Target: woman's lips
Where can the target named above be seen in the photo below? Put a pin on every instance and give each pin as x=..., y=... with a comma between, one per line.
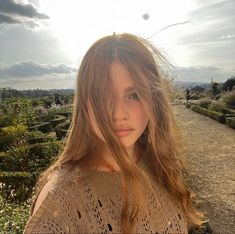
x=122, y=133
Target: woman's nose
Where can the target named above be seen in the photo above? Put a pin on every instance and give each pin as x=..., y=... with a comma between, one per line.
x=120, y=112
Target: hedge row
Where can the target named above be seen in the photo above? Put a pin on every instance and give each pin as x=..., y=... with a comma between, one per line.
x=228, y=119
x=21, y=166
x=212, y=114
x=16, y=185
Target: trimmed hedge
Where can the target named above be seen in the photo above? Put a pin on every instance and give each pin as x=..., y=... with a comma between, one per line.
x=3, y=154
x=61, y=129
x=31, y=158
x=212, y=114
x=66, y=114
x=22, y=166
x=59, y=119
x=12, y=135
x=187, y=105
x=205, y=103
x=13, y=216
x=16, y=185
x=33, y=137
x=43, y=127
x=230, y=121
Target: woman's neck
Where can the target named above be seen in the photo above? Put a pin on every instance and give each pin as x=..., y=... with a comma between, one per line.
x=107, y=163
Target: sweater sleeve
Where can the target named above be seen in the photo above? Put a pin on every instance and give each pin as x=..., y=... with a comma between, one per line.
x=50, y=217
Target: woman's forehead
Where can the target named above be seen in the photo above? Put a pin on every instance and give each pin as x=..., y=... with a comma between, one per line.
x=120, y=77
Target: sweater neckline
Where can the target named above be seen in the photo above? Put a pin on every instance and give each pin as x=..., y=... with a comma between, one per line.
x=107, y=175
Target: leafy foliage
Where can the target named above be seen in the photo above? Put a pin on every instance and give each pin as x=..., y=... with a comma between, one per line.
x=12, y=136
x=229, y=84
x=16, y=111
x=13, y=216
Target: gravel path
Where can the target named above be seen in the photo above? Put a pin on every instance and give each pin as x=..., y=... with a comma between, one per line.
x=210, y=165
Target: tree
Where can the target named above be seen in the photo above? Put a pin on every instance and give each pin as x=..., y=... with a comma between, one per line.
x=198, y=89
x=229, y=84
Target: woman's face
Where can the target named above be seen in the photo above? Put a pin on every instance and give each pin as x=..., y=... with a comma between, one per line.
x=129, y=118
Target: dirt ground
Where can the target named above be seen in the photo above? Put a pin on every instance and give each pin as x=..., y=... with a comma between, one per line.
x=210, y=160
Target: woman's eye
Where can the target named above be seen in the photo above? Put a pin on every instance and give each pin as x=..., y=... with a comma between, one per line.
x=133, y=96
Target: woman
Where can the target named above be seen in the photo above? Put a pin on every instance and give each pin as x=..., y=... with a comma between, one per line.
x=120, y=169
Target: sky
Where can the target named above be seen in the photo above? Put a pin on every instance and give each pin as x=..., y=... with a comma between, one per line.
x=42, y=42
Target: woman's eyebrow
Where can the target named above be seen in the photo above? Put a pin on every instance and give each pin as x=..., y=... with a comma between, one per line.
x=129, y=89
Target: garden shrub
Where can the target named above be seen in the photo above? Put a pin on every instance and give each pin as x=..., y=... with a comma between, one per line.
x=59, y=119
x=204, y=103
x=42, y=155
x=217, y=116
x=3, y=154
x=229, y=111
x=31, y=158
x=16, y=160
x=187, y=105
x=230, y=121
x=12, y=135
x=66, y=114
x=229, y=99
x=4, y=121
x=33, y=137
x=43, y=127
x=212, y=114
x=13, y=216
x=218, y=107
x=197, y=108
x=61, y=129
x=17, y=110
x=195, y=96
x=16, y=186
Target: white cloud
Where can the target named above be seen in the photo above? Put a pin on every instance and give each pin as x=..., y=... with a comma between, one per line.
x=32, y=69
x=20, y=13
x=227, y=37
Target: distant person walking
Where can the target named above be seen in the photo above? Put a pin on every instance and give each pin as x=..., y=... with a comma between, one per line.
x=187, y=95
x=58, y=100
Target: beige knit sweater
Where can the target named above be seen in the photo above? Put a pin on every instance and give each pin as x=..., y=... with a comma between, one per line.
x=81, y=204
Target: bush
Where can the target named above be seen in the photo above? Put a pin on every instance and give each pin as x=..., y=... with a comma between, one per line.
x=212, y=114
x=59, y=119
x=31, y=158
x=195, y=96
x=61, y=129
x=17, y=110
x=204, y=103
x=217, y=116
x=229, y=99
x=16, y=186
x=230, y=121
x=36, y=136
x=16, y=159
x=187, y=105
x=12, y=136
x=218, y=107
x=206, y=228
x=43, y=127
x=13, y=216
x=5, y=121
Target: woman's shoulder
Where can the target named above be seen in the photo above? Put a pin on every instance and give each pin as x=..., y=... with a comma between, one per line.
x=51, y=202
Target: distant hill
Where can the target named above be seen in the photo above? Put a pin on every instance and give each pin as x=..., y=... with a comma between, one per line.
x=190, y=84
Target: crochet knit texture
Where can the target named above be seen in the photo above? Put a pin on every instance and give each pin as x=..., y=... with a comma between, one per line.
x=79, y=203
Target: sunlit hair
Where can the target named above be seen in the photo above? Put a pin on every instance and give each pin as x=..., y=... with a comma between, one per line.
x=161, y=141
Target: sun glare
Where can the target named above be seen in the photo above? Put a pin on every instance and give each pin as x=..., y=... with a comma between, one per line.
x=77, y=24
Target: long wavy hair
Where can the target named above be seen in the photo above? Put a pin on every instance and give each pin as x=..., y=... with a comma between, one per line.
x=160, y=143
